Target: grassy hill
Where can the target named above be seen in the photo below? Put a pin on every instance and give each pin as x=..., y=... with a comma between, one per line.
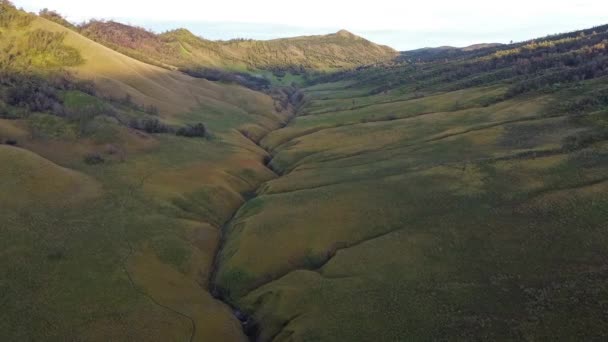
x=110, y=212
x=182, y=49
x=116, y=75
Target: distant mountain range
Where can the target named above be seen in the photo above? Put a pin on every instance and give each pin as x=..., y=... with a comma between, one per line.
x=429, y=53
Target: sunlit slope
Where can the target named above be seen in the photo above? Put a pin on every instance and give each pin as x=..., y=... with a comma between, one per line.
x=26, y=181
x=120, y=248
x=182, y=49
x=117, y=75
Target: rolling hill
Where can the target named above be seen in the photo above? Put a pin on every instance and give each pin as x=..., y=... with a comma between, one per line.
x=456, y=195
x=116, y=75
x=110, y=217
x=182, y=49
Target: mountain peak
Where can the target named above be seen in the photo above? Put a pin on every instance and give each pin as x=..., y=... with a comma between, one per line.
x=346, y=34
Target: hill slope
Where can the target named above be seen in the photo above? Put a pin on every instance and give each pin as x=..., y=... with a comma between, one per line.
x=117, y=75
x=182, y=49
x=463, y=198
x=110, y=212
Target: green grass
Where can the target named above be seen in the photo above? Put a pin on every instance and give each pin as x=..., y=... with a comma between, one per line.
x=453, y=219
x=72, y=254
x=279, y=59
x=103, y=252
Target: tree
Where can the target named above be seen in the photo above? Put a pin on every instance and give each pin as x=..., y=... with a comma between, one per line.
x=149, y=126
x=191, y=131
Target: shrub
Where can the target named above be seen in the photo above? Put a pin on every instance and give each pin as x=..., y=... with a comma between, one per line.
x=9, y=15
x=151, y=109
x=216, y=75
x=584, y=139
x=126, y=100
x=192, y=131
x=392, y=117
x=3, y=110
x=56, y=17
x=152, y=126
x=34, y=94
x=37, y=97
x=46, y=49
x=93, y=159
x=56, y=254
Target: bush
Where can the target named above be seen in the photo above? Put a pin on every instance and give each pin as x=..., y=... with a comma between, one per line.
x=392, y=117
x=153, y=126
x=584, y=139
x=39, y=49
x=56, y=17
x=151, y=109
x=192, y=131
x=56, y=254
x=3, y=110
x=216, y=75
x=9, y=15
x=35, y=96
x=93, y=159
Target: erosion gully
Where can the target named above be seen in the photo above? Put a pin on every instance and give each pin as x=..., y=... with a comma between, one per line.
x=250, y=328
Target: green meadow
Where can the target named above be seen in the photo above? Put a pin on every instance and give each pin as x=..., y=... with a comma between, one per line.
x=439, y=224
x=464, y=214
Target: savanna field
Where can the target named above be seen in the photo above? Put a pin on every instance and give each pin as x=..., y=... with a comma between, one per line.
x=164, y=187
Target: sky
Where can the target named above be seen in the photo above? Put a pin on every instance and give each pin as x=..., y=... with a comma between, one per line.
x=403, y=25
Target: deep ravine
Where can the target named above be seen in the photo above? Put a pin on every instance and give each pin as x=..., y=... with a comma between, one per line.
x=250, y=327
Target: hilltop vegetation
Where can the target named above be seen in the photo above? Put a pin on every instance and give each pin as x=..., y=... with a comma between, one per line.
x=254, y=64
x=182, y=49
x=442, y=52
x=533, y=65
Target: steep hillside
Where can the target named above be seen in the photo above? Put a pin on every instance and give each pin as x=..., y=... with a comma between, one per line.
x=116, y=75
x=181, y=49
x=116, y=177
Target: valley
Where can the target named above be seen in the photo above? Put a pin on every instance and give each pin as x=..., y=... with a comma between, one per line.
x=320, y=188
x=363, y=202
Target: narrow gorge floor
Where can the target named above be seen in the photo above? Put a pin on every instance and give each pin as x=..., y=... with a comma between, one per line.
x=248, y=324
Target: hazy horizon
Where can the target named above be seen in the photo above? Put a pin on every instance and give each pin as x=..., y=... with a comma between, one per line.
x=466, y=23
